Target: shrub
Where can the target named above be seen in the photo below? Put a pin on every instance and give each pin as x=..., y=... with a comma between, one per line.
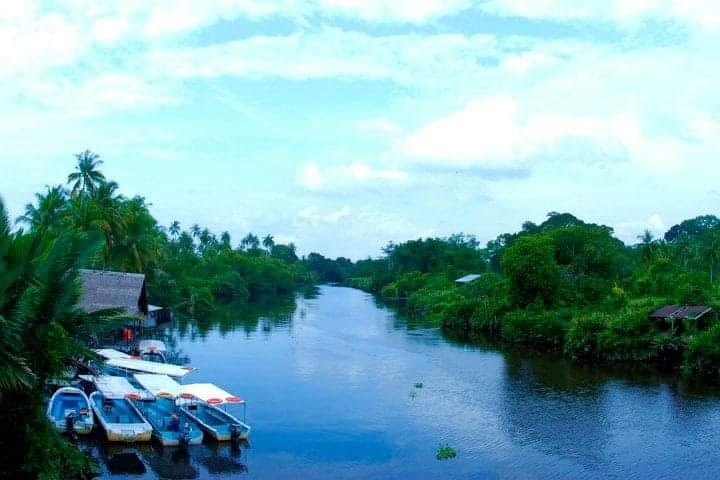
x=703, y=352
x=581, y=340
x=543, y=329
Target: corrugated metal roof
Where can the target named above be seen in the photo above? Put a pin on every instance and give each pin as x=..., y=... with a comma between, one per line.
x=468, y=278
x=102, y=290
x=690, y=312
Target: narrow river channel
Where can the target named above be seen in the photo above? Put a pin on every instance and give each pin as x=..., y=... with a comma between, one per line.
x=331, y=388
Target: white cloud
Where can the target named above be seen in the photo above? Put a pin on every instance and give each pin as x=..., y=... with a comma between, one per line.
x=629, y=231
x=313, y=217
x=497, y=134
x=704, y=13
x=347, y=177
x=331, y=53
x=382, y=125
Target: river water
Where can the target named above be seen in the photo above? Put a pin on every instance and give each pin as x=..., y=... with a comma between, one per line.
x=331, y=379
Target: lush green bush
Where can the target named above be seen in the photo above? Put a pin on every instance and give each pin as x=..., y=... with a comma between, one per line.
x=582, y=338
x=536, y=327
x=703, y=352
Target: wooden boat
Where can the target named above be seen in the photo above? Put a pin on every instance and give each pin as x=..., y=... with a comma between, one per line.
x=115, y=411
x=200, y=402
x=171, y=426
x=69, y=411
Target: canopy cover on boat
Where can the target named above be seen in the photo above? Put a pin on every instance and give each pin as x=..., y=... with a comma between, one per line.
x=152, y=346
x=159, y=385
x=115, y=387
x=210, y=393
x=138, y=365
x=110, y=353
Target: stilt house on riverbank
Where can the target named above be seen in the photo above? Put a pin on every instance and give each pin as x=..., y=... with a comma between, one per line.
x=685, y=316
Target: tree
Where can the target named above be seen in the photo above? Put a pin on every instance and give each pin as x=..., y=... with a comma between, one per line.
x=174, y=229
x=49, y=210
x=86, y=176
x=529, y=263
x=268, y=242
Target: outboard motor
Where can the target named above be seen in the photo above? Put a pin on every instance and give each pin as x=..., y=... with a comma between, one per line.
x=235, y=431
x=70, y=424
x=185, y=437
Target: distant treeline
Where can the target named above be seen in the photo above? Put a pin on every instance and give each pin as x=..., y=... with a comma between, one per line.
x=564, y=284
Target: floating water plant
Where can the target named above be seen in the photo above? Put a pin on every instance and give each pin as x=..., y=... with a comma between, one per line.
x=445, y=452
x=419, y=385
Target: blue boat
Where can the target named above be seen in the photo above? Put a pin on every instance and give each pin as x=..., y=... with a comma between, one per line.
x=199, y=402
x=171, y=427
x=115, y=411
x=69, y=411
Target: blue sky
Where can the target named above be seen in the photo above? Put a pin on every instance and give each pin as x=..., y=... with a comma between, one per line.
x=343, y=124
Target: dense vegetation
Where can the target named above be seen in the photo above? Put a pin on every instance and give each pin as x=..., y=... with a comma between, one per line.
x=88, y=224
x=565, y=284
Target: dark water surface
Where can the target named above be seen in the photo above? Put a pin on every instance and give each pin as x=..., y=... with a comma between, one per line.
x=330, y=383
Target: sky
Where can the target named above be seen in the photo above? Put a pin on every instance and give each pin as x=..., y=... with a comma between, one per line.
x=341, y=125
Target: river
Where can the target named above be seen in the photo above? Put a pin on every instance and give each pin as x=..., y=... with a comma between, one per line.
x=331, y=379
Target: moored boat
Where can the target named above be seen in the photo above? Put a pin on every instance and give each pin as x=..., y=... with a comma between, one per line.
x=115, y=411
x=171, y=426
x=69, y=411
x=200, y=402
x=121, y=362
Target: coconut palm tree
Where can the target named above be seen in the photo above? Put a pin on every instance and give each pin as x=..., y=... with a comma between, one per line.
x=268, y=242
x=86, y=176
x=174, y=229
x=49, y=210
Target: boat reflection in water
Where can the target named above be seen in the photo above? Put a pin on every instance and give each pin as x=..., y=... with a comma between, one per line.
x=152, y=460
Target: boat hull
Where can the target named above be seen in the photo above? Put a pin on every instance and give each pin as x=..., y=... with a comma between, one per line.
x=158, y=412
x=121, y=428
x=217, y=423
x=67, y=400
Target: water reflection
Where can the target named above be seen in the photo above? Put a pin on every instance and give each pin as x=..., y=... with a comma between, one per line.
x=330, y=374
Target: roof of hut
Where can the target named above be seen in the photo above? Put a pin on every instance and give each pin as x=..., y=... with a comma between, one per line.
x=690, y=312
x=103, y=290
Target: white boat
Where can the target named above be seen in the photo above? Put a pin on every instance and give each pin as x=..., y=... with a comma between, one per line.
x=171, y=426
x=200, y=402
x=136, y=365
x=69, y=411
x=115, y=411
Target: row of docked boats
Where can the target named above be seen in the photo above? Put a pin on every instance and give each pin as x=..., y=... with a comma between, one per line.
x=146, y=403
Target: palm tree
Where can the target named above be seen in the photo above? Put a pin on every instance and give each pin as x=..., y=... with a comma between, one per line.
x=86, y=176
x=225, y=240
x=268, y=242
x=195, y=230
x=711, y=252
x=49, y=209
x=110, y=219
x=174, y=229
x=647, y=246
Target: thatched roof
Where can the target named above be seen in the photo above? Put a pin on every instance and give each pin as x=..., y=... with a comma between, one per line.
x=103, y=290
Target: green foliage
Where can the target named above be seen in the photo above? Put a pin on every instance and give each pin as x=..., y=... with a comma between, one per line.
x=445, y=452
x=582, y=338
x=539, y=328
x=532, y=271
x=703, y=352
